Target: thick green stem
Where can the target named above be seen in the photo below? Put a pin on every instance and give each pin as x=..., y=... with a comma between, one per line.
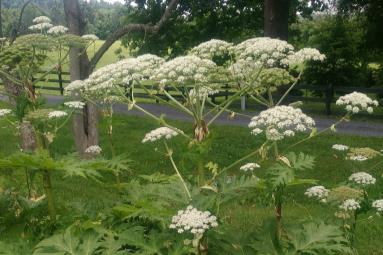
x=47, y=183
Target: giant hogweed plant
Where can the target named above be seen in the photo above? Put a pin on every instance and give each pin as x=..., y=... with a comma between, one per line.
x=257, y=68
x=20, y=62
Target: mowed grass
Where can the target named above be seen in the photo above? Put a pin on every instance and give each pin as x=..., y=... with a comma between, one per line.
x=76, y=196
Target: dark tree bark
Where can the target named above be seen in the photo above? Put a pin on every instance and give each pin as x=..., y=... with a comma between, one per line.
x=276, y=18
x=85, y=124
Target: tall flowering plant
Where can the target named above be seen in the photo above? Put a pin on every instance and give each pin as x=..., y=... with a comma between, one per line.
x=257, y=68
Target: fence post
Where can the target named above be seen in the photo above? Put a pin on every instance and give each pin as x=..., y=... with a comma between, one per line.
x=243, y=103
x=329, y=98
x=59, y=74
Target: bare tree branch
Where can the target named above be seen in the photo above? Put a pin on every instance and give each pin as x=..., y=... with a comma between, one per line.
x=148, y=28
x=15, y=30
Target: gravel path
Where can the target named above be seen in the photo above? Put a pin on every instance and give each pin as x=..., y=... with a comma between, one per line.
x=362, y=128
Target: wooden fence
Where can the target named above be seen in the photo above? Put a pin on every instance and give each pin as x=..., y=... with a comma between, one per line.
x=327, y=94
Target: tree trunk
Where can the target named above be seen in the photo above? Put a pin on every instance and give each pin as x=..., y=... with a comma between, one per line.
x=1, y=20
x=85, y=124
x=276, y=18
x=28, y=137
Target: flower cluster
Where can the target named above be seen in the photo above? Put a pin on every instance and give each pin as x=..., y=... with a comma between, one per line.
x=57, y=30
x=280, y=122
x=41, y=19
x=75, y=104
x=265, y=51
x=159, y=133
x=318, y=192
x=378, y=205
x=105, y=79
x=340, y=147
x=249, y=167
x=304, y=55
x=90, y=37
x=193, y=221
x=350, y=205
x=356, y=102
x=40, y=26
x=362, y=178
x=93, y=149
x=212, y=48
x=74, y=87
x=358, y=158
x=185, y=69
x=4, y=112
x=56, y=114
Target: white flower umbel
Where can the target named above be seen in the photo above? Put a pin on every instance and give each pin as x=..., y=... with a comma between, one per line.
x=280, y=122
x=266, y=51
x=57, y=114
x=212, y=48
x=356, y=102
x=57, y=30
x=193, y=221
x=74, y=87
x=40, y=26
x=4, y=112
x=75, y=104
x=304, y=55
x=358, y=158
x=378, y=205
x=318, y=192
x=108, y=78
x=186, y=69
x=340, y=147
x=41, y=19
x=159, y=133
x=362, y=178
x=93, y=149
x=249, y=167
x=349, y=205
x=90, y=37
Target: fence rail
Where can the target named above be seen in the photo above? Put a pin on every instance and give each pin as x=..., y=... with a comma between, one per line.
x=328, y=93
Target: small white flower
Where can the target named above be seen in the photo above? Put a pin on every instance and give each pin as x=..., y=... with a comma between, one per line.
x=41, y=19
x=280, y=122
x=378, y=205
x=362, y=178
x=193, y=221
x=249, y=167
x=93, y=149
x=75, y=104
x=358, y=158
x=40, y=26
x=57, y=114
x=340, y=147
x=319, y=192
x=57, y=30
x=356, y=102
x=349, y=205
x=159, y=133
x=90, y=37
x=4, y=112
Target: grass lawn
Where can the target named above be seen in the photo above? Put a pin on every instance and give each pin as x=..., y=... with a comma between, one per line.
x=78, y=196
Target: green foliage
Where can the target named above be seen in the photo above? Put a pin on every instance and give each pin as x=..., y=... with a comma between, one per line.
x=70, y=165
x=342, y=40
x=283, y=172
x=306, y=239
